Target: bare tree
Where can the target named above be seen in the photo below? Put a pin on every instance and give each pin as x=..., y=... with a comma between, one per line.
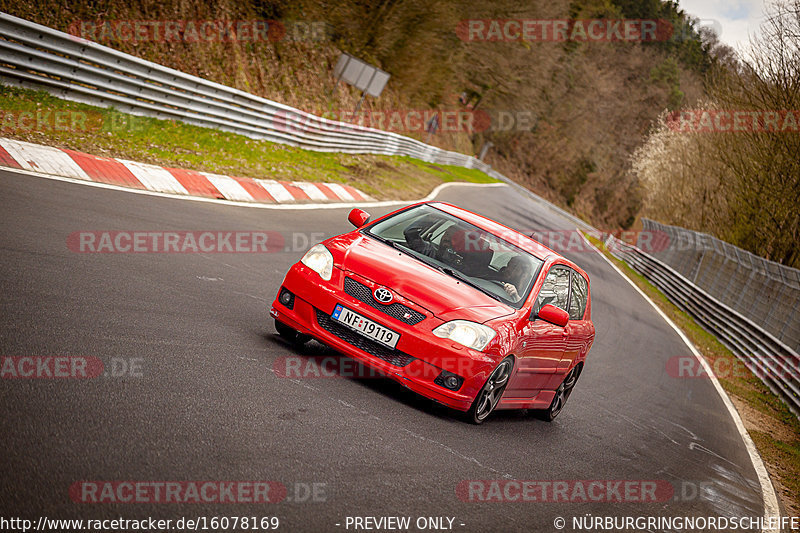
x=764, y=165
x=742, y=186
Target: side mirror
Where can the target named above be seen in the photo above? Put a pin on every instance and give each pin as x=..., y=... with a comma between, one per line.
x=554, y=315
x=358, y=218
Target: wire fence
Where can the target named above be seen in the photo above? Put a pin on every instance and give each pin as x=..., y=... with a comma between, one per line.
x=770, y=359
x=766, y=292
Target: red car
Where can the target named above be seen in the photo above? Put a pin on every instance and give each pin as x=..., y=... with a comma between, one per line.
x=454, y=306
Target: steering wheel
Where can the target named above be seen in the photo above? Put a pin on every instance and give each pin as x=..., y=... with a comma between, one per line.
x=446, y=254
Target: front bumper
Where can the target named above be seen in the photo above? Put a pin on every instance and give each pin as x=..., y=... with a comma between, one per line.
x=419, y=356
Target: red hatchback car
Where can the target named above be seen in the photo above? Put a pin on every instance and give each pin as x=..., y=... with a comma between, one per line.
x=454, y=306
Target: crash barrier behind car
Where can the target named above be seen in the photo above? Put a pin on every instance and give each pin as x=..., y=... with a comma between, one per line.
x=775, y=363
x=38, y=57
x=766, y=292
x=70, y=67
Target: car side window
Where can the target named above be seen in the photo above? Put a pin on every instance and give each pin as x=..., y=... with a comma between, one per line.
x=555, y=290
x=578, y=297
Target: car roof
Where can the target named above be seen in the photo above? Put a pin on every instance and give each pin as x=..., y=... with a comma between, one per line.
x=515, y=237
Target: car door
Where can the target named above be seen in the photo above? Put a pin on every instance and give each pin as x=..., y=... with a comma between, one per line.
x=542, y=344
x=577, y=329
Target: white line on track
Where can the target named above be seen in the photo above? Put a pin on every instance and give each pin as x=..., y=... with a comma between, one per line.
x=771, y=509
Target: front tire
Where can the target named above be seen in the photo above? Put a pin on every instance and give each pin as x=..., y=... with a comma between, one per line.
x=489, y=396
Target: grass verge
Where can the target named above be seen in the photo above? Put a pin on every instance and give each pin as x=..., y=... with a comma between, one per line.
x=38, y=117
x=773, y=428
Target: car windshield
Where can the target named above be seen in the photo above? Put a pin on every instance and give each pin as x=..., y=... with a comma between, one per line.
x=481, y=259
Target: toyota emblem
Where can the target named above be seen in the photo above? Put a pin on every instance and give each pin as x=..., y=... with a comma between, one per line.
x=383, y=295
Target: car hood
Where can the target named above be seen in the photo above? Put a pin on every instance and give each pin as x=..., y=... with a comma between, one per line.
x=442, y=295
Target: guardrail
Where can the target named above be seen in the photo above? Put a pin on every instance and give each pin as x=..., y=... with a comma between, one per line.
x=766, y=291
x=35, y=56
x=38, y=57
x=777, y=365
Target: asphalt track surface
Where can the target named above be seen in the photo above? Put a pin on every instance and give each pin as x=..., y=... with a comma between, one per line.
x=207, y=405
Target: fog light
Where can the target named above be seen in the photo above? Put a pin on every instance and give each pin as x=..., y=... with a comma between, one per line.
x=286, y=298
x=448, y=380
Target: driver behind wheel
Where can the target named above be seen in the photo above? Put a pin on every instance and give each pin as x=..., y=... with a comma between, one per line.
x=447, y=253
x=515, y=276
x=473, y=252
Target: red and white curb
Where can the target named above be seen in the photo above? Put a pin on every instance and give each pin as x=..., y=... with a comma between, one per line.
x=173, y=181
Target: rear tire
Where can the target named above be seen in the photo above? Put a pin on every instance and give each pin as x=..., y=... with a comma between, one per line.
x=562, y=394
x=491, y=392
x=291, y=334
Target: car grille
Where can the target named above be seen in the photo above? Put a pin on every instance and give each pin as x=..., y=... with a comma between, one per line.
x=395, y=357
x=361, y=292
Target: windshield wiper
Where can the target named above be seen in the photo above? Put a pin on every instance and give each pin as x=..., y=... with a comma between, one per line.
x=388, y=242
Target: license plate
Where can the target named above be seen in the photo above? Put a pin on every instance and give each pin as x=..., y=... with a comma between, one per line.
x=365, y=326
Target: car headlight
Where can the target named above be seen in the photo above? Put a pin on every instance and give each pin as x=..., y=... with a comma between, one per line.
x=320, y=260
x=470, y=334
